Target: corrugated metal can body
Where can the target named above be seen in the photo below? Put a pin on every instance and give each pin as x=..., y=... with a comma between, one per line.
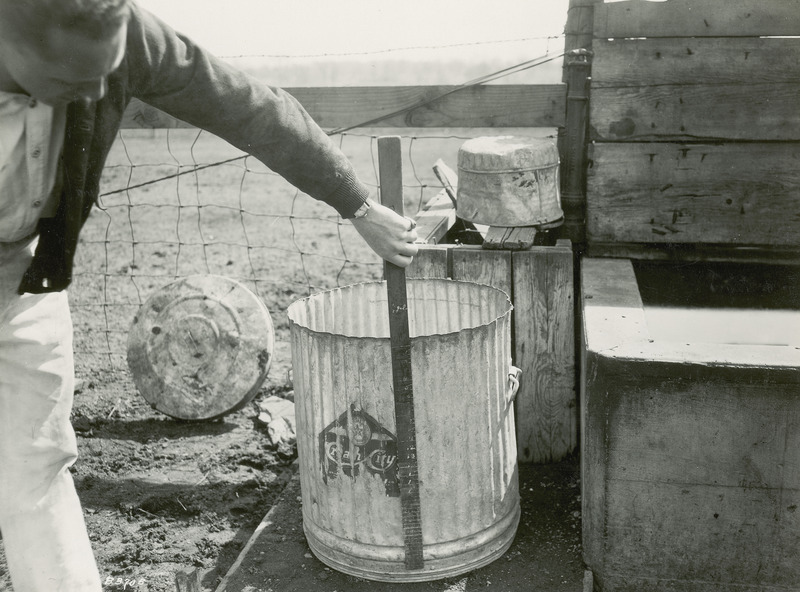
x=346, y=436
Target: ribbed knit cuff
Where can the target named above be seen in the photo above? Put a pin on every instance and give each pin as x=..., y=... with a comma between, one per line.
x=348, y=196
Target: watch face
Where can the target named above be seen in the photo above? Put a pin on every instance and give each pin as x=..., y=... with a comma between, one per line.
x=362, y=211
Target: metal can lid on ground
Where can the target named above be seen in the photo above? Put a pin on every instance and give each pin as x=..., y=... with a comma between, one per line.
x=200, y=347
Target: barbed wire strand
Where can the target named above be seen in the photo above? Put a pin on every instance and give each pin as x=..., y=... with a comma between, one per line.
x=421, y=103
x=546, y=38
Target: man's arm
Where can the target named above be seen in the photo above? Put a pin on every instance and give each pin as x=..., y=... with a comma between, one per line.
x=170, y=72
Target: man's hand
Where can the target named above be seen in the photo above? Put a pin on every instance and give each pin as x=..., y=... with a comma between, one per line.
x=388, y=233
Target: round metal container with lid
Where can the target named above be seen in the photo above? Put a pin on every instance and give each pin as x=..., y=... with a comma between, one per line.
x=509, y=181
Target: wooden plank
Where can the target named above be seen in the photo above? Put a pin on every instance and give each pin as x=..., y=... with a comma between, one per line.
x=701, y=112
x=696, y=18
x=431, y=261
x=435, y=219
x=710, y=60
x=270, y=520
x=472, y=106
x=390, y=160
x=616, y=327
x=689, y=458
x=695, y=252
x=546, y=405
x=738, y=194
x=515, y=238
x=467, y=263
x=494, y=105
x=572, y=147
x=492, y=268
x=448, y=179
x=611, y=304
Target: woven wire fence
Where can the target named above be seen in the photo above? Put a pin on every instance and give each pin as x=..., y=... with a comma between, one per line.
x=237, y=220
x=179, y=202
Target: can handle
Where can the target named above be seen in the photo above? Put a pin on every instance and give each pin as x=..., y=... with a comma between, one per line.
x=514, y=375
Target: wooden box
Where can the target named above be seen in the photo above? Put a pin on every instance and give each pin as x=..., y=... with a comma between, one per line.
x=694, y=128
x=690, y=434
x=539, y=281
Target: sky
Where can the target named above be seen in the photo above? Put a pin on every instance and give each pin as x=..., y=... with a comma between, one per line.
x=232, y=28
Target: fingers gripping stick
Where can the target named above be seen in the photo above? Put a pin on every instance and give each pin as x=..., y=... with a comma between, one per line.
x=391, y=184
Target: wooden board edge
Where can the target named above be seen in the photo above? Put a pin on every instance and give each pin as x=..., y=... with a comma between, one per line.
x=435, y=219
x=292, y=485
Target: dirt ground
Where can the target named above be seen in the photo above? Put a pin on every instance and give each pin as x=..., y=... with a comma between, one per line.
x=162, y=495
x=545, y=555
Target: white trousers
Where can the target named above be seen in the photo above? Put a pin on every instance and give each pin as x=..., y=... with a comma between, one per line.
x=47, y=547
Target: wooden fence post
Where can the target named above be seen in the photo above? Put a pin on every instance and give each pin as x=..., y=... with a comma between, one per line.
x=579, y=29
x=572, y=147
x=578, y=35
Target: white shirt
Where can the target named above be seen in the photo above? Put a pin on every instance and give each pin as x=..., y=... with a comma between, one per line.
x=31, y=137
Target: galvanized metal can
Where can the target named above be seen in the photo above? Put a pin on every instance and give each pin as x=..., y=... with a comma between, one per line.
x=346, y=432
x=509, y=181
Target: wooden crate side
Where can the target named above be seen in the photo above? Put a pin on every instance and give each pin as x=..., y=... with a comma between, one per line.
x=767, y=255
x=702, y=60
x=429, y=262
x=696, y=112
x=481, y=266
x=739, y=194
x=593, y=466
x=546, y=406
x=696, y=18
x=466, y=263
x=693, y=489
x=435, y=219
x=540, y=284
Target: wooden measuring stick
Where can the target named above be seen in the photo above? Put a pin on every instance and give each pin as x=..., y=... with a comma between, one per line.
x=390, y=164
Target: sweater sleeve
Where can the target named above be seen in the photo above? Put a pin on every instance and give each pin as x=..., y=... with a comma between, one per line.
x=170, y=72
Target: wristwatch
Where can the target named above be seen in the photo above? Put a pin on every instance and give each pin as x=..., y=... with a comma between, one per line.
x=362, y=211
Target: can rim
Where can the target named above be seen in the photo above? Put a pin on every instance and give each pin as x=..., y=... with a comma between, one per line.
x=294, y=321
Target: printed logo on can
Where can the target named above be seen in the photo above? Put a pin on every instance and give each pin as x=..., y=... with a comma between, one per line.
x=354, y=443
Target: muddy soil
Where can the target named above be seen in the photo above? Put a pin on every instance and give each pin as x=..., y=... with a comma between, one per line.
x=162, y=495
